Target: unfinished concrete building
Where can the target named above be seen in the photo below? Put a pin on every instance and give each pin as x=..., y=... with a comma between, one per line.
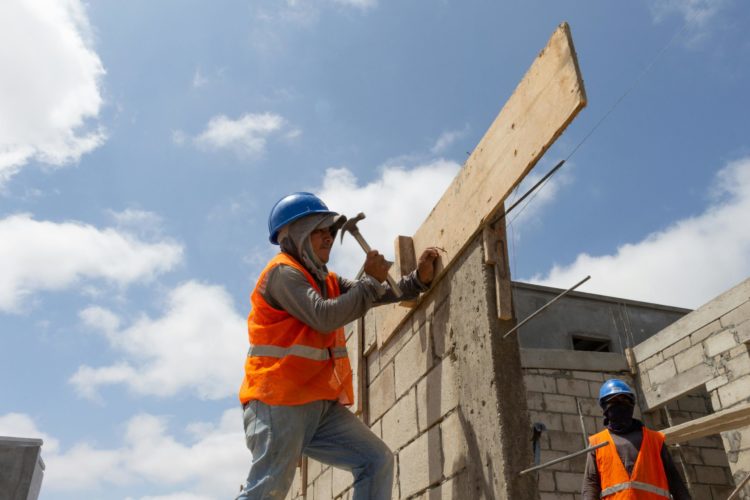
x=456, y=399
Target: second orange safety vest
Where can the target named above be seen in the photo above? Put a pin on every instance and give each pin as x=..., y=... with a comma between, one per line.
x=648, y=480
x=290, y=363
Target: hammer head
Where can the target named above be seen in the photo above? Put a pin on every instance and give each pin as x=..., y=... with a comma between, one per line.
x=351, y=225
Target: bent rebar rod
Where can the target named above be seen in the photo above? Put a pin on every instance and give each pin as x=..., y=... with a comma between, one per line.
x=545, y=306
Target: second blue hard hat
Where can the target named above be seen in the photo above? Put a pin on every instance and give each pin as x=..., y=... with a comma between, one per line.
x=614, y=387
x=292, y=207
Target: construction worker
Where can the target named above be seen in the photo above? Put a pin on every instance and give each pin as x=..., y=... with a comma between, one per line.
x=636, y=465
x=297, y=372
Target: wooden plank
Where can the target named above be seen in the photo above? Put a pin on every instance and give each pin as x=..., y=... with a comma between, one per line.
x=725, y=420
x=406, y=262
x=546, y=100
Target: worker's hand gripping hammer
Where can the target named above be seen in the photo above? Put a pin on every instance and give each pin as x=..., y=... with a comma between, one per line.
x=350, y=226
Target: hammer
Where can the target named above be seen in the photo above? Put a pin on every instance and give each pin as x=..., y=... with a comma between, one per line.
x=351, y=226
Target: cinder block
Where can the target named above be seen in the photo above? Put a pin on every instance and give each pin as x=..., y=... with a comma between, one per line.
x=716, y=344
x=662, y=372
x=400, y=422
x=324, y=484
x=540, y=383
x=743, y=332
x=693, y=404
x=455, y=448
x=420, y=463
x=560, y=403
x=454, y=488
x=569, y=482
x=714, y=456
x=689, y=358
x=572, y=424
x=651, y=361
x=534, y=401
x=373, y=366
x=573, y=387
x=704, y=332
x=341, y=480
x=552, y=421
x=437, y=393
x=314, y=468
x=591, y=376
x=736, y=315
x=722, y=492
x=676, y=348
x=556, y=496
x=546, y=480
x=738, y=366
x=549, y=455
x=441, y=331
x=565, y=441
x=710, y=475
x=735, y=391
x=717, y=382
x=413, y=361
x=382, y=393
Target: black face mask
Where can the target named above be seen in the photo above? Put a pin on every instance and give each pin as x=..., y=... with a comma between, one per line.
x=618, y=417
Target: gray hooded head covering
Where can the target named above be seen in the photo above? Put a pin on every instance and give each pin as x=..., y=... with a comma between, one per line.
x=294, y=239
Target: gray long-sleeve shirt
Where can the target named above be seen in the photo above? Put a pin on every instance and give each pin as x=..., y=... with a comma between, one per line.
x=628, y=446
x=287, y=288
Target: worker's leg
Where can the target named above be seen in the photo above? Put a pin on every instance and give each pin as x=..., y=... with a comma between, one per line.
x=342, y=440
x=275, y=436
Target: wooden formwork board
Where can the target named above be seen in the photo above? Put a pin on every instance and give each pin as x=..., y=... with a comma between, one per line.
x=725, y=420
x=546, y=100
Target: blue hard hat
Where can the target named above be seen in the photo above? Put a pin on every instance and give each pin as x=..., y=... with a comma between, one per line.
x=613, y=387
x=292, y=207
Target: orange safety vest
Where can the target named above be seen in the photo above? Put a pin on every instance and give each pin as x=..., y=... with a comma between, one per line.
x=289, y=363
x=648, y=480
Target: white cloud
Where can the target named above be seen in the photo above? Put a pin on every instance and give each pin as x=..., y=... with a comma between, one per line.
x=685, y=264
x=210, y=467
x=395, y=204
x=198, y=345
x=142, y=223
x=694, y=12
x=199, y=80
x=447, y=139
x=246, y=135
x=51, y=84
x=361, y=4
x=43, y=255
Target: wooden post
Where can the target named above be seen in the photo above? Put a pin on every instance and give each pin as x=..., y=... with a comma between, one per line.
x=406, y=260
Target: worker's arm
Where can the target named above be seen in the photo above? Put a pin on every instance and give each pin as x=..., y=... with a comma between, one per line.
x=287, y=288
x=410, y=287
x=676, y=485
x=591, y=488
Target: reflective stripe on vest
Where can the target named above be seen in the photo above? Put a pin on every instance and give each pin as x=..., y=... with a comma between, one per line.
x=302, y=351
x=636, y=486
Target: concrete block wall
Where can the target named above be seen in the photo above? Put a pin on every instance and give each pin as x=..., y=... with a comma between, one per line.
x=708, y=349
x=573, y=378
x=703, y=462
x=446, y=394
x=553, y=397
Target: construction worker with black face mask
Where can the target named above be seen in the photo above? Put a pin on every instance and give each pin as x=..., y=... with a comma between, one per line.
x=297, y=373
x=636, y=465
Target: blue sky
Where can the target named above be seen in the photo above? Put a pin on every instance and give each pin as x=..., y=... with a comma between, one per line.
x=142, y=145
